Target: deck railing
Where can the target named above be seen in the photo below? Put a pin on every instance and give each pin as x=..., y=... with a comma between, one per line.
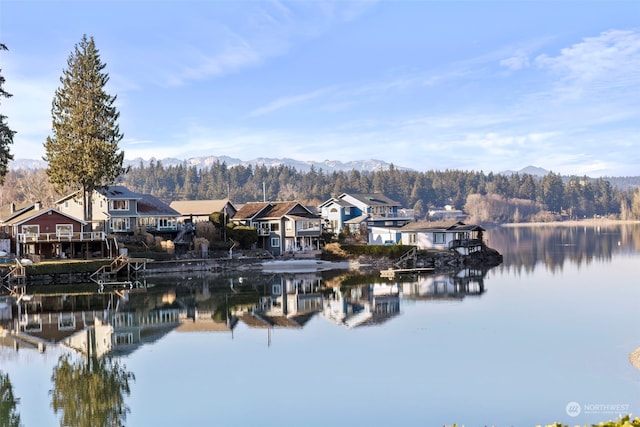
x=89, y=236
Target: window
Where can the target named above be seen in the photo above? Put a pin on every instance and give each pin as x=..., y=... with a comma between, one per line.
x=275, y=242
x=123, y=338
x=412, y=238
x=438, y=237
x=274, y=227
x=31, y=230
x=119, y=205
x=64, y=230
x=120, y=224
x=66, y=321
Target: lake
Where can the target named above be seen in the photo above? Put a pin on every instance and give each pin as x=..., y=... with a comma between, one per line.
x=543, y=337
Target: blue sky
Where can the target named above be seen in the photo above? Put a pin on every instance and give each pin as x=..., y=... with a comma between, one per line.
x=426, y=85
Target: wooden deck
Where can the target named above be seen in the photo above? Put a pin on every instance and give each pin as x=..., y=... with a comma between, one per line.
x=393, y=272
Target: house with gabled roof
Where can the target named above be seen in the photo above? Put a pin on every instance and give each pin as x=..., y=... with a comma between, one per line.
x=464, y=238
x=358, y=212
x=49, y=233
x=116, y=209
x=201, y=210
x=282, y=226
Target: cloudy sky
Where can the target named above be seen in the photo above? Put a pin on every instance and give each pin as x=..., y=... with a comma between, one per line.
x=426, y=85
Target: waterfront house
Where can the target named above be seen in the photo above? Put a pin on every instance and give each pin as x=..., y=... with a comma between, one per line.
x=49, y=233
x=464, y=238
x=359, y=212
x=283, y=227
x=117, y=209
x=201, y=210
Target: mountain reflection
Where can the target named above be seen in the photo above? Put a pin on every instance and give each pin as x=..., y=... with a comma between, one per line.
x=526, y=247
x=119, y=322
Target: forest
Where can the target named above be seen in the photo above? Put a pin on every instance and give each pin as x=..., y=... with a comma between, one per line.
x=485, y=197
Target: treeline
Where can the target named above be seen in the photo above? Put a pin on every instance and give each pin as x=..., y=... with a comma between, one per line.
x=487, y=197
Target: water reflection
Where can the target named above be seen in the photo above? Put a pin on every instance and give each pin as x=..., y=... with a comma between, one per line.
x=119, y=322
x=9, y=415
x=552, y=246
x=90, y=392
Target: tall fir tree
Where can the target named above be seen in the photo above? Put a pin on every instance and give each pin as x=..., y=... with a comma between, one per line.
x=6, y=134
x=83, y=153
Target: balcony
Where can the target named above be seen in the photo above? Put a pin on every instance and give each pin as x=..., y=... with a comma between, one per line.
x=91, y=236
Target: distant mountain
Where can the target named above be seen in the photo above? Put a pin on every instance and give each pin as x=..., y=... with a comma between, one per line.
x=327, y=166
x=531, y=170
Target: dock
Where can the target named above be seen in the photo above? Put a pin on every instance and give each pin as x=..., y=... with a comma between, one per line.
x=390, y=273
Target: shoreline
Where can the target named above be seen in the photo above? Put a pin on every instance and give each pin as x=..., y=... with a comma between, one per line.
x=572, y=223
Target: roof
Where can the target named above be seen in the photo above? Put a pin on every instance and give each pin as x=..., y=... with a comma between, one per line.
x=250, y=209
x=13, y=209
x=335, y=201
x=372, y=199
x=441, y=226
x=272, y=210
x=30, y=214
x=118, y=192
x=112, y=192
x=199, y=207
x=279, y=209
x=357, y=220
x=151, y=205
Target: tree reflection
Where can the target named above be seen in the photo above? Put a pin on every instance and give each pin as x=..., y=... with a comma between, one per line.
x=9, y=417
x=91, y=393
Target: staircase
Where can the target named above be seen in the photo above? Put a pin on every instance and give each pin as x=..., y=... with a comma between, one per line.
x=15, y=280
x=409, y=257
x=108, y=273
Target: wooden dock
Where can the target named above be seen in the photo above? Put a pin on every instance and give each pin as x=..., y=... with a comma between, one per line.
x=393, y=272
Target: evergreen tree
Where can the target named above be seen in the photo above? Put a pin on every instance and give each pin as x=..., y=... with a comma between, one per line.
x=6, y=134
x=83, y=151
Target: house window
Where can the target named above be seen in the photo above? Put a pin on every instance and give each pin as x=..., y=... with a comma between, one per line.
x=31, y=230
x=439, y=237
x=64, y=230
x=119, y=205
x=120, y=224
x=274, y=227
x=275, y=242
x=66, y=321
x=123, y=338
x=276, y=289
x=412, y=238
x=347, y=211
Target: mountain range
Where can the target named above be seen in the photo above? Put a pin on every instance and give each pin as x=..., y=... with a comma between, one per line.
x=327, y=166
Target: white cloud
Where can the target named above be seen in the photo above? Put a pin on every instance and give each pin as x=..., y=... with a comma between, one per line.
x=517, y=62
x=608, y=61
x=287, y=102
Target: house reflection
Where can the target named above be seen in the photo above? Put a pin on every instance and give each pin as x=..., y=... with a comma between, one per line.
x=465, y=282
x=119, y=322
x=363, y=305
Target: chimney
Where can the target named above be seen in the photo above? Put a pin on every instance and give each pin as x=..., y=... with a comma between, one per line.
x=13, y=207
x=37, y=206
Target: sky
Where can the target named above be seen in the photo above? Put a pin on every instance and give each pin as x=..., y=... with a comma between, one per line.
x=426, y=85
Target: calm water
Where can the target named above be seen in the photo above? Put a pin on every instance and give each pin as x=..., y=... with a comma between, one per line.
x=515, y=345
